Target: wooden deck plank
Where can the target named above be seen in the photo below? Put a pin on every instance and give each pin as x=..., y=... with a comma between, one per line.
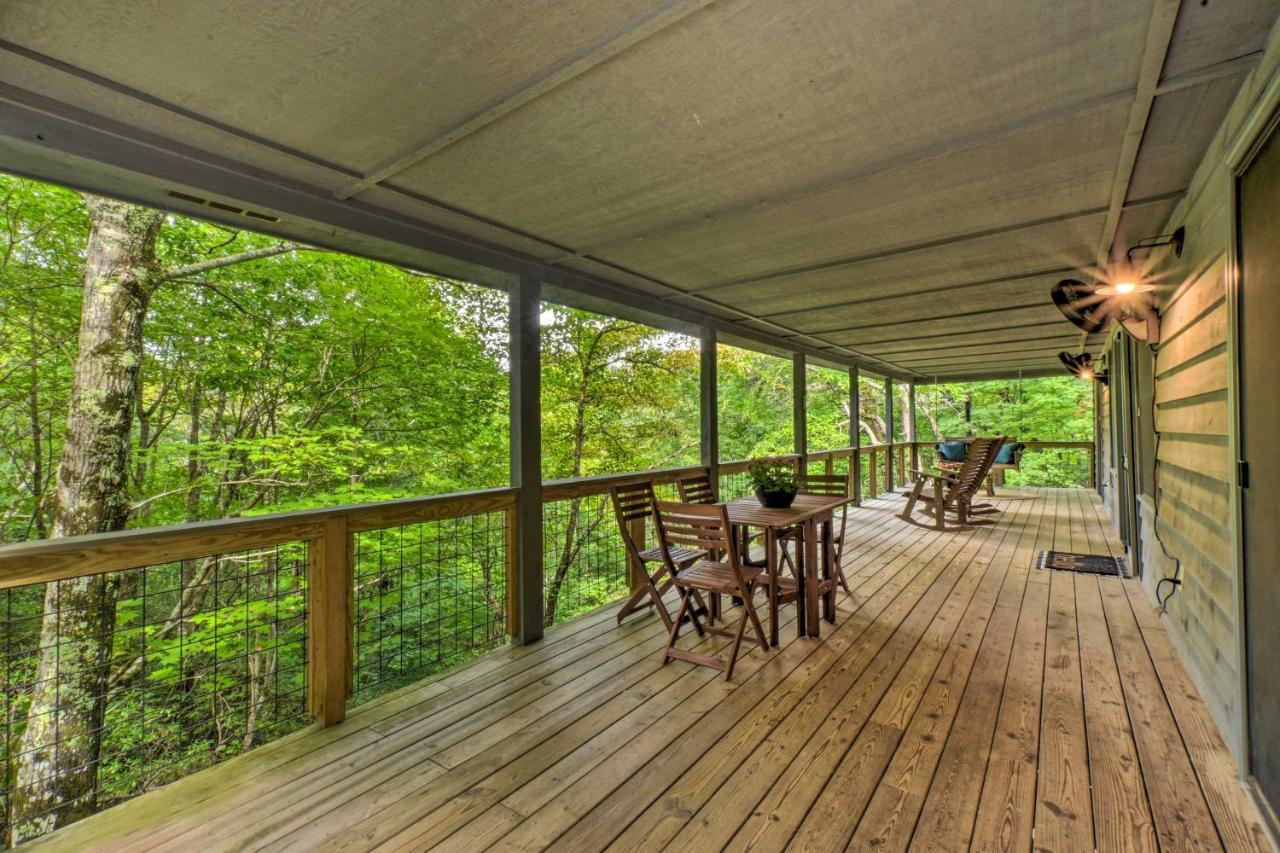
x=770, y=825
x=1239, y=822
x=1121, y=812
x=615, y=813
x=925, y=626
x=1064, y=819
x=944, y=757
x=962, y=700
x=834, y=817
x=1182, y=817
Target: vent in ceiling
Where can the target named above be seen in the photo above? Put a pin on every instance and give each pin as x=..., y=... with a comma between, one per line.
x=229, y=208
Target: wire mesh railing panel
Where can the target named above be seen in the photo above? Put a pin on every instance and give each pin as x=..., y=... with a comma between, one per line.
x=428, y=596
x=734, y=486
x=118, y=683
x=584, y=559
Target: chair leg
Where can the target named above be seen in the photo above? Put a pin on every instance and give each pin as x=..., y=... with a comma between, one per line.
x=733, y=649
x=991, y=489
x=750, y=609
x=675, y=627
x=772, y=591
x=939, y=508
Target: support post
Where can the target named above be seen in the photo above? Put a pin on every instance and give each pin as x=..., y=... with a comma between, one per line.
x=912, y=436
x=888, y=433
x=526, y=456
x=855, y=437
x=709, y=405
x=799, y=425
x=329, y=617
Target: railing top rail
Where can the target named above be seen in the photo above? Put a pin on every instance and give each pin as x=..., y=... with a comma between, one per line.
x=56, y=559
x=46, y=560
x=577, y=487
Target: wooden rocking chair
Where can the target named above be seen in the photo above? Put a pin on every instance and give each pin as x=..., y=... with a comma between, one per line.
x=954, y=492
x=702, y=527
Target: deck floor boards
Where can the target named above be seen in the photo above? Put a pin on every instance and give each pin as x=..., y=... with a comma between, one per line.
x=962, y=700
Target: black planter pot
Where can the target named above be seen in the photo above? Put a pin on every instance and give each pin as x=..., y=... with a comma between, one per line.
x=775, y=500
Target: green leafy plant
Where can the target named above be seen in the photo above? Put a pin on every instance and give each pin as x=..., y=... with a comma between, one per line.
x=772, y=474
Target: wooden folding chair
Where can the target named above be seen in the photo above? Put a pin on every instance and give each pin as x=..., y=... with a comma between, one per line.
x=702, y=527
x=832, y=486
x=632, y=506
x=954, y=493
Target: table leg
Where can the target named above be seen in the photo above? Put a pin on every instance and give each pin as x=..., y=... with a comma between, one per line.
x=811, y=577
x=802, y=593
x=770, y=544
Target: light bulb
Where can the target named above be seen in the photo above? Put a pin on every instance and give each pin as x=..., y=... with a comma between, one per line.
x=1086, y=374
x=1126, y=287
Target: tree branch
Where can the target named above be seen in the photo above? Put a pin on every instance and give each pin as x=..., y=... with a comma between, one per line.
x=226, y=261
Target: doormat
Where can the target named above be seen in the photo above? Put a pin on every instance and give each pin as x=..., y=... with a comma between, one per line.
x=1090, y=564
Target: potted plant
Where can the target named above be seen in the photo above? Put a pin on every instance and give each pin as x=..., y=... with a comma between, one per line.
x=773, y=481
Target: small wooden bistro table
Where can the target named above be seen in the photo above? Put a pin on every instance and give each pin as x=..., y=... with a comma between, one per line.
x=815, y=513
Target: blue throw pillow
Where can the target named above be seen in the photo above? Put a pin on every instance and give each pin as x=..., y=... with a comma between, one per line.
x=1007, y=452
x=952, y=451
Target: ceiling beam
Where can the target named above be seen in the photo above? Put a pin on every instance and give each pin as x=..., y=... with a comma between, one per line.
x=1164, y=14
x=1003, y=328
x=1039, y=355
x=1227, y=68
x=849, y=303
x=1000, y=375
x=574, y=65
x=1001, y=345
x=881, y=254
x=981, y=312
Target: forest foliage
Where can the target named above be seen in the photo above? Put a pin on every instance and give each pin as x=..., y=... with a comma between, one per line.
x=312, y=378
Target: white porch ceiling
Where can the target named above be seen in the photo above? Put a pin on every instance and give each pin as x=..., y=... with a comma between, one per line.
x=891, y=185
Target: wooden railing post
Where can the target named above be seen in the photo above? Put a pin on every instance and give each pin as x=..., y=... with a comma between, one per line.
x=329, y=621
x=513, y=571
x=873, y=469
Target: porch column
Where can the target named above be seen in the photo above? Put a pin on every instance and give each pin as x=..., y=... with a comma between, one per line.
x=799, y=426
x=526, y=458
x=888, y=433
x=855, y=437
x=709, y=424
x=911, y=426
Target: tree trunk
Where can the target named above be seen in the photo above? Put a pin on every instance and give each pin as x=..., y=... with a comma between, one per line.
x=57, y=766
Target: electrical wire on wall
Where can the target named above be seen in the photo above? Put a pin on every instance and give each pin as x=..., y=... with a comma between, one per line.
x=1175, y=580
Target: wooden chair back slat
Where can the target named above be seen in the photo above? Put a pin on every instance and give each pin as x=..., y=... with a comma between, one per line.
x=697, y=489
x=692, y=525
x=829, y=485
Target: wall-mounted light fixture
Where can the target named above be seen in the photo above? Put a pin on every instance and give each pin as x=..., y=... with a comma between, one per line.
x=1081, y=367
x=1177, y=239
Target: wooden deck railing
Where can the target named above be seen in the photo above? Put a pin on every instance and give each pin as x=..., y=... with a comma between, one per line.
x=354, y=552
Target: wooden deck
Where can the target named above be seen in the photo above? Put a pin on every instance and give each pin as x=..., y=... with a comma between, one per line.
x=963, y=700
